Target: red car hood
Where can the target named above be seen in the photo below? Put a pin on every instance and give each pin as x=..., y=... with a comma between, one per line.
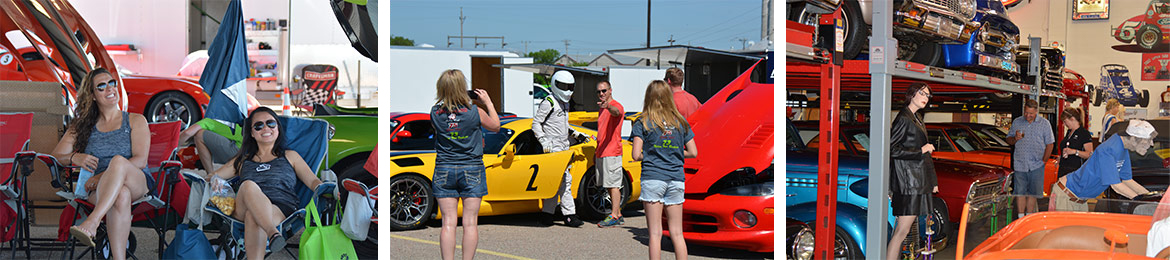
x=146, y=77
x=732, y=135
x=957, y=168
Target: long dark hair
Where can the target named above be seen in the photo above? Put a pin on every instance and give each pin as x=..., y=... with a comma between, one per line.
x=249, y=148
x=87, y=110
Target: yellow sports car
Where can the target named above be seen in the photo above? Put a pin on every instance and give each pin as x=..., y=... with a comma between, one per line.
x=519, y=175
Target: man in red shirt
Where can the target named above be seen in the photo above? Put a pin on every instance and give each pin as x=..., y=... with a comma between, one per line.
x=609, y=151
x=686, y=103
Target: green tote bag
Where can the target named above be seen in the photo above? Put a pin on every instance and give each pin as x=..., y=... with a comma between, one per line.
x=324, y=242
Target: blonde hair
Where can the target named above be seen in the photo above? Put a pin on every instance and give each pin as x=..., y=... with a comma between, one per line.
x=658, y=109
x=1111, y=104
x=452, y=90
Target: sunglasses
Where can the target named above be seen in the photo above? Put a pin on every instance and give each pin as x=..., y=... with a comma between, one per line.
x=101, y=87
x=260, y=125
x=602, y=91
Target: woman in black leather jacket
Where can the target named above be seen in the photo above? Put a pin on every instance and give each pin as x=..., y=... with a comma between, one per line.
x=913, y=170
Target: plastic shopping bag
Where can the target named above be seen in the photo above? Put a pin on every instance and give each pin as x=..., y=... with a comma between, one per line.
x=223, y=197
x=356, y=220
x=323, y=241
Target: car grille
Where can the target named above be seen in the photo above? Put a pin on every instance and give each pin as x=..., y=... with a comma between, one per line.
x=984, y=191
x=952, y=6
x=700, y=223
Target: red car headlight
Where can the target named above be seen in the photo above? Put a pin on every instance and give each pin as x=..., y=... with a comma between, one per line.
x=744, y=219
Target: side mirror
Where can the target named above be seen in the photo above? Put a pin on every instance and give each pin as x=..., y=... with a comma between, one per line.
x=510, y=151
x=401, y=134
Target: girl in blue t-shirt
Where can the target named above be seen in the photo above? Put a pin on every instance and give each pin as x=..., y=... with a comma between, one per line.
x=459, y=170
x=662, y=139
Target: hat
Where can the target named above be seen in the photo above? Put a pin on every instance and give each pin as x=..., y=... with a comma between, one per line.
x=1139, y=128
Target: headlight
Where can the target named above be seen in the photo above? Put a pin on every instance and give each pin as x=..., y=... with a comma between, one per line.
x=744, y=219
x=967, y=8
x=979, y=46
x=802, y=247
x=760, y=189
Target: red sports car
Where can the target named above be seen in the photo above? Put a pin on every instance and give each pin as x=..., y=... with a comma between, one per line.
x=411, y=131
x=729, y=187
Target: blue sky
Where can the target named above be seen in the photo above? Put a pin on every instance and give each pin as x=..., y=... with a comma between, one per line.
x=591, y=26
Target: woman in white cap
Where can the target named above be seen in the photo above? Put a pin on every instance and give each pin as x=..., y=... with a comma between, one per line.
x=1108, y=167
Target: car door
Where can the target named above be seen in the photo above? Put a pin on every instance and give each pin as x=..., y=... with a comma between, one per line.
x=521, y=170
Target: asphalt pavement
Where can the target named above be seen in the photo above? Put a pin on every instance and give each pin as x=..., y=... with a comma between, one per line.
x=520, y=237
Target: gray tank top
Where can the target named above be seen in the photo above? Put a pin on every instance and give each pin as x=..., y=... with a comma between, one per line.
x=459, y=139
x=276, y=178
x=106, y=145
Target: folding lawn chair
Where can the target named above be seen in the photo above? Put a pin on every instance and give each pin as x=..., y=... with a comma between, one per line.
x=310, y=138
x=320, y=87
x=15, y=136
x=164, y=142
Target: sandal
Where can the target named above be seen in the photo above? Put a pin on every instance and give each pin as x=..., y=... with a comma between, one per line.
x=82, y=236
x=276, y=242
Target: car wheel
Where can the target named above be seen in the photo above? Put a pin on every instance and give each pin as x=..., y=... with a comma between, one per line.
x=942, y=226
x=856, y=32
x=411, y=201
x=173, y=106
x=593, y=201
x=1097, y=97
x=929, y=54
x=1148, y=37
x=844, y=247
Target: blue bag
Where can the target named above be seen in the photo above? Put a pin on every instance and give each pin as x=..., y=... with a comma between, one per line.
x=79, y=189
x=189, y=243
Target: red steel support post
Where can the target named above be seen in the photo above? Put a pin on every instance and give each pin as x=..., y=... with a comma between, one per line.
x=831, y=31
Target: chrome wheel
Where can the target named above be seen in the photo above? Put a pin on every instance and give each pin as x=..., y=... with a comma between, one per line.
x=411, y=202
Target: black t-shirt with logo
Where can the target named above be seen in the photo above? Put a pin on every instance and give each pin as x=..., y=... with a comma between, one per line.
x=1075, y=140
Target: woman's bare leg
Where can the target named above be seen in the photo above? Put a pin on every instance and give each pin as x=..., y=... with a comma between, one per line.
x=120, y=174
x=674, y=222
x=900, y=231
x=470, y=227
x=250, y=200
x=448, y=208
x=255, y=237
x=654, y=223
x=118, y=224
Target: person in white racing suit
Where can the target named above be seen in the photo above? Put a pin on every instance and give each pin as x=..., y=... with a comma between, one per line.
x=550, y=124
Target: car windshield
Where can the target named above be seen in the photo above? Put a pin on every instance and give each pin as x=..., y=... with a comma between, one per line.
x=993, y=141
x=966, y=140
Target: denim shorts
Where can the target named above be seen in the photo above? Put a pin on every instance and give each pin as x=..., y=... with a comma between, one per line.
x=669, y=193
x=459, y=181
x=1029, y=182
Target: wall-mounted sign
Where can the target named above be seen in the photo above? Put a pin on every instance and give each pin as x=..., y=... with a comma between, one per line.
x=1090, y=10
x=1156, y=66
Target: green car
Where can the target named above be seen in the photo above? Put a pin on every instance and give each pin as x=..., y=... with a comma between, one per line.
x=353, y=140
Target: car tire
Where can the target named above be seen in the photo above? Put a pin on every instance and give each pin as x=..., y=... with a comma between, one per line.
x=845, y=247
x=1148, y=37
x=171, y=106
x=1144, y=98
x=856, y=31
x=944, y=228
x=1098, y=97
x=929, y=54
x=413, y=191
x=591, y=204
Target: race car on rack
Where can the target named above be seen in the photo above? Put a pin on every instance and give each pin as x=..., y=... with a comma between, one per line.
x=730, y=189
x=959, y=183
x=1149, y=30
x=519, y=175
x=1115, y=84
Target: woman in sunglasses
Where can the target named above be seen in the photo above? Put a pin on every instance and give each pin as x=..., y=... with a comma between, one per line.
x=268, y=173
x=110, y=146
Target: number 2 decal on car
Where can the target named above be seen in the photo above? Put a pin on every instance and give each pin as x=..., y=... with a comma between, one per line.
x=535, y=169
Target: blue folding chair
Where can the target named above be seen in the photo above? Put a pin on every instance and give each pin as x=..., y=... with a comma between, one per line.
x=310, y=138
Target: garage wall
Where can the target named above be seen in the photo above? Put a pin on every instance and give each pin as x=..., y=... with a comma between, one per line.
x=150, y=25
x=1089, y=44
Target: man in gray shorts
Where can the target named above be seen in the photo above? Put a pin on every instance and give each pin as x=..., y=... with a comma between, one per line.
x=214, y=149
x=1032, y=137
x=609, y=152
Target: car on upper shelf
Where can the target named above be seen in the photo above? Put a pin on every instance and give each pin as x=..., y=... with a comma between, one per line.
x=959, y=183
x=972, y=35
x=1148, y=30
x=1051, y=66
x=1115, y=83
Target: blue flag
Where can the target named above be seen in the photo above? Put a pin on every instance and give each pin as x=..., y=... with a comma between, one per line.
x=226, y=74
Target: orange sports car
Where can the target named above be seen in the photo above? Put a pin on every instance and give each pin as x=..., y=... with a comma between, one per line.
x=1035, y=236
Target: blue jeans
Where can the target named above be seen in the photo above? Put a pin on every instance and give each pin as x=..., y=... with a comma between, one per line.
x=459, y=181
x=1028, y=182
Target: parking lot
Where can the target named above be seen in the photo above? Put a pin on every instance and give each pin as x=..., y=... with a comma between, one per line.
x=520, y=237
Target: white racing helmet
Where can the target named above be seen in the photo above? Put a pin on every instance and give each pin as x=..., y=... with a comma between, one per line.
x=562, y=85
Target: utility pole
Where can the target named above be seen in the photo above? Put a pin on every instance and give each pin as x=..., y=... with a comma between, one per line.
x=461, y=18
x=525, y=46
x=566, y=46
x=742, y=42
x=647, y=23
x=671, y=41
